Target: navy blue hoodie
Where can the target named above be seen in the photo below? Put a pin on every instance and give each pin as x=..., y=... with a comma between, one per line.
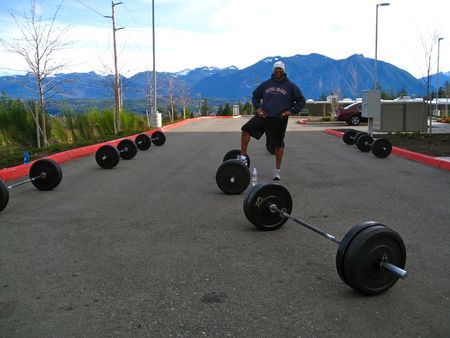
x=278, y=96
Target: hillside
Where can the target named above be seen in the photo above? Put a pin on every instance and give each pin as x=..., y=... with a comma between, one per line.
x=316, y=74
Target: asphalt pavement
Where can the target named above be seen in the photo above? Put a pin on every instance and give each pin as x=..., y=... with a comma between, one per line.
x=152, y=248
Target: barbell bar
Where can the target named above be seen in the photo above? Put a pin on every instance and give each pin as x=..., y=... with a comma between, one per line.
x=370, y=258
x=108, y=157
x=44, y=174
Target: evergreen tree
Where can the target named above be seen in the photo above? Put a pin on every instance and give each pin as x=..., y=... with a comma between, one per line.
x=206, y=109
x=248, y=108
x=220, y=111
x=227, y=111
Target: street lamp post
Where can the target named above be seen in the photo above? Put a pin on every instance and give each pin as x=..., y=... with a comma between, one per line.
x=375, y=71
x=437, y=74
x=376, y=44
x=154, y=61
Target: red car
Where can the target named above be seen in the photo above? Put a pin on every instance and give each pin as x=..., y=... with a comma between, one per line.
x=350, y=114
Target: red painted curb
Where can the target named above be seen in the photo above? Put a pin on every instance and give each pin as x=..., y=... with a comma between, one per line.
x=410, y=155
x=16, y=172
x=13, y=173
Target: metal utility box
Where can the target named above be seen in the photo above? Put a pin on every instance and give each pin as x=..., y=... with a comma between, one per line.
x=415, y=117
x=371, y=102
x=401, y=117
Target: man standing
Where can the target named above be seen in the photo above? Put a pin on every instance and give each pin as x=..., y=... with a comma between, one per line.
x=274, y=100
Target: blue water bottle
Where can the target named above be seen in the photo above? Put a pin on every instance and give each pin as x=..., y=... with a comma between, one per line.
x=26, y=157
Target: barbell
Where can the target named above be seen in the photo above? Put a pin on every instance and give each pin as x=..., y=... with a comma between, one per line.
x=233, y=176
x=44, y=174
x=143, y=141
x=380, y=147
x=233, y=155
x=364, y=142
x=370, y=258
x=108, y=157
x=351, y=136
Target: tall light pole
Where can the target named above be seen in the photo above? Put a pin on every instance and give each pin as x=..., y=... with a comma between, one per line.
x=155, y=109
x=376, y=45
x=437, y=74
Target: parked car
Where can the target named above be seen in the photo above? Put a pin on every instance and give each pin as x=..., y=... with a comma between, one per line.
x=350, y=114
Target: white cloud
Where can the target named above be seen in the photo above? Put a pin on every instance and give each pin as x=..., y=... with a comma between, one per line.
x=222, y=33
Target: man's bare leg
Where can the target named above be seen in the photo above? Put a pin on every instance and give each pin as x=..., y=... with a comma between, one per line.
x=245, y=139
x=279, y=152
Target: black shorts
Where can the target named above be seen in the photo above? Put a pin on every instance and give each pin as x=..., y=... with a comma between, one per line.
x=274, y=127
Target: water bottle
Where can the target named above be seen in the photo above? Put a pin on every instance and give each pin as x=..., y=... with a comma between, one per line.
x=254, y=177
x=26, y=157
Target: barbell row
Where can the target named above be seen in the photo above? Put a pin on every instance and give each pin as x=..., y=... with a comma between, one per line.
x=380, y=147
x=46, y=174
x=108, y=156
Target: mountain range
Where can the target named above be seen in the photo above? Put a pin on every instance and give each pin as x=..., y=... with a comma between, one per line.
x=317, y=75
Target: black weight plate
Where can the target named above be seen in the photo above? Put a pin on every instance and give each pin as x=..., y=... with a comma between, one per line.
x=158, y=138
x=381, y=148
x=256, y=206
x=358, y=135
x=232, y=177
x=52, y=171
x=127, y=149
x=233, y=154
x=349, y=137
x=344, y=243
x=143, y=142
x=248, y=197
x=107, y=156
x=363, y=257
x=364, y=143
x=4, y=195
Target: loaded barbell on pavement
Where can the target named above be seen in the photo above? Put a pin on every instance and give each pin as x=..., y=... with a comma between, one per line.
x=371, y=257
x=44, y=174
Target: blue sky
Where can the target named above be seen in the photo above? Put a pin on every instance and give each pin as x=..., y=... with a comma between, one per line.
x=222, y=33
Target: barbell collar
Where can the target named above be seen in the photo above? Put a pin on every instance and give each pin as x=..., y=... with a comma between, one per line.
x=274, y=209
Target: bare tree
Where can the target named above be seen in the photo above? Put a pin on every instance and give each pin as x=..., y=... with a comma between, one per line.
x=354, y=78
x=149, y=96
x=428, y=53
x=447, y=95
x=184, y=98
x=335, y=97
x=41, y=40
x=171, y=97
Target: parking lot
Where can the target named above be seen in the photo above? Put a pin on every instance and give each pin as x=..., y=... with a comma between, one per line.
x=152, y=248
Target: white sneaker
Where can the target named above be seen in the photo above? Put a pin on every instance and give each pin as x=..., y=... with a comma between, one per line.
x=243, y=159
x=277, y=175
